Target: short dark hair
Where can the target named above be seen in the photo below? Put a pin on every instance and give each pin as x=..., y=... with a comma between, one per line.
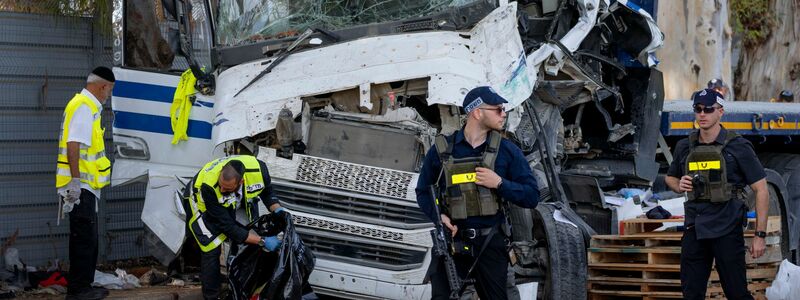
x=233, y=170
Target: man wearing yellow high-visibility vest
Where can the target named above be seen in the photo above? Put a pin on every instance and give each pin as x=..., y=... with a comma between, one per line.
x=213, y=195
x=82, y=170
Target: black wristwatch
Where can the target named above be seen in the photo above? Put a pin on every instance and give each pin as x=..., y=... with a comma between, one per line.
x=761, y=234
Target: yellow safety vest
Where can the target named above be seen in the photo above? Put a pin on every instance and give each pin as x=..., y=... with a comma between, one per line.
x=253, y=184
x=95, y=168
x=181, y=107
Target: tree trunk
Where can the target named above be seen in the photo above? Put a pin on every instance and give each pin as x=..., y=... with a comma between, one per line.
x=764, y=70
x=697, y=45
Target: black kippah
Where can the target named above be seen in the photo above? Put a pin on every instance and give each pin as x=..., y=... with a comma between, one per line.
x=237, y=166
x=104, y=73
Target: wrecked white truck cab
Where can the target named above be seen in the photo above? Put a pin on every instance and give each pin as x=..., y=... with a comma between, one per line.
x=342, y=101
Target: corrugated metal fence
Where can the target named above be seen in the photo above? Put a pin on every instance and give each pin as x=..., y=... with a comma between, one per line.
x=44, y=61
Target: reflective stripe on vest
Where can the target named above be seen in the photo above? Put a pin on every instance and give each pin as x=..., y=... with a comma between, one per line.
x=205, y=239
x=94, y=166
x=253, y=184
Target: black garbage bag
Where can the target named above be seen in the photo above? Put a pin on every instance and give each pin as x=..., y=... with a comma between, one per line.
x=254, y=273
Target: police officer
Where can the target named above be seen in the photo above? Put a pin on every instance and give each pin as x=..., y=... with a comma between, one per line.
x=476, y=170
x=213, y=195
x=786, y=96
x=712, y=166
x=718, y=85
x=82, y=170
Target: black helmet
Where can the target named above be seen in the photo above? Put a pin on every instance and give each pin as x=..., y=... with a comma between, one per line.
x=787, y=96
x=716, y=83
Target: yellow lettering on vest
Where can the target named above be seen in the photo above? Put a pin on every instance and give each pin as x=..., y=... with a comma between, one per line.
x=704, y=165
x=463, y=178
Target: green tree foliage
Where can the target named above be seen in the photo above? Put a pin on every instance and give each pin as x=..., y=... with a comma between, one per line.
x=100, y=10
x=754, y=19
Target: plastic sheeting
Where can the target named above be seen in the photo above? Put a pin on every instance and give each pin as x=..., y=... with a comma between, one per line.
x=786, y=285
x=239, y=20
x=257, y=274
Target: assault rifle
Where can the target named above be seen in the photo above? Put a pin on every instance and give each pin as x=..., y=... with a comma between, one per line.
x=443, y=247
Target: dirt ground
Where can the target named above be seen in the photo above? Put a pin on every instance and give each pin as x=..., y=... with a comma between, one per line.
x=191, y=292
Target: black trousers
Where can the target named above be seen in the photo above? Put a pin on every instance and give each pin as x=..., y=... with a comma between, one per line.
x=210, y=275
x=82, y=244
x=490, y=272
x=696, y=259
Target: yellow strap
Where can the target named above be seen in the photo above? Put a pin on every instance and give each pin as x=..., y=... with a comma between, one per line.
x=704, y=165
x=182, y=106
x=463, y=178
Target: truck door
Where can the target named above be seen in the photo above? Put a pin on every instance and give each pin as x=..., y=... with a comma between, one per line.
x=149, y=62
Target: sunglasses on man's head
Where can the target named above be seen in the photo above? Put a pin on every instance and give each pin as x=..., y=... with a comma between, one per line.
x=707, y=109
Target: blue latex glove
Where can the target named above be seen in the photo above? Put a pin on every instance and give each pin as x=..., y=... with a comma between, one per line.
x=271, y=243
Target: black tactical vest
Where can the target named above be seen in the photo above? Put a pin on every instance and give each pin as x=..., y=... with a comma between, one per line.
x=464, y=198
x=706, y=165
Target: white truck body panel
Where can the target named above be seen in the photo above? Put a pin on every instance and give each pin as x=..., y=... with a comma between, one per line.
x=455, y=62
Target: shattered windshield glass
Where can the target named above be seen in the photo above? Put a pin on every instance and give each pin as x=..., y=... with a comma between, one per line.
x=243, y=21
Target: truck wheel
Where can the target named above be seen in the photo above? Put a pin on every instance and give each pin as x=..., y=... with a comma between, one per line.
x=774, y=206
x=788, y=166
x=562, y=253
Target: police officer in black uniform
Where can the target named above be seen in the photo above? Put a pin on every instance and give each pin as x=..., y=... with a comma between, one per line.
x=786, y=96
x=718, y=85
x=712, y=166
x=481, y=171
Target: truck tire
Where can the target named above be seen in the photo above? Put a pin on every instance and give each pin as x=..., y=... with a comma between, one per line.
x=521, y=223
x=788, y=166
x=774, y=207
x=565, y=261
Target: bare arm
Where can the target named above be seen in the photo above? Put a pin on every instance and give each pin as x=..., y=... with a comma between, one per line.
x=252, y=238
x=762, y=203
x=73, y=150
x=758, y=245
x=673, y=183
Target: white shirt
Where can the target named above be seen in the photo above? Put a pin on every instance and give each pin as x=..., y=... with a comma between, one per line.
x=80, y=130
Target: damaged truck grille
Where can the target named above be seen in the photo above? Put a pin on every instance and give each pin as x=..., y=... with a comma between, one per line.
x=350, y=206
x=354, y=177
x=362, y=251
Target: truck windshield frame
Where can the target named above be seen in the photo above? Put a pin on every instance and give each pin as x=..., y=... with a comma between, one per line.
x=240, y=22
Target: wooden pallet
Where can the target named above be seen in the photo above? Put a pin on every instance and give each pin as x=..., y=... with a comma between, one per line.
x=642, y=225
x=605, y=287
x=757, y=289
x=666, y=255
x=646, y=265
x=661, y=248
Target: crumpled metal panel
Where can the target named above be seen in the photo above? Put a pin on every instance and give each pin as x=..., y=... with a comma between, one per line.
x=490, y=54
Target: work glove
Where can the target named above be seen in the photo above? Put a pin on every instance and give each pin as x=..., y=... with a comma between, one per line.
x=72, y=192
x=71, y=195
x=271, y=243
x=67, y=206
